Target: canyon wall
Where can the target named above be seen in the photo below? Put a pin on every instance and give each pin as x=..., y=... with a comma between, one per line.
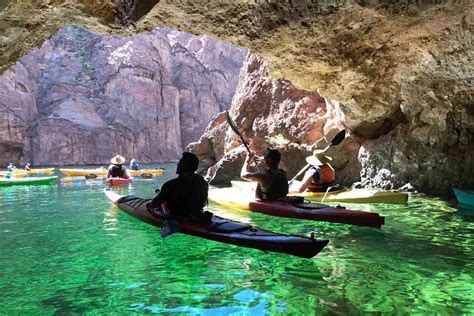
x=401, y=71
x=83, y=97
x=274, y=113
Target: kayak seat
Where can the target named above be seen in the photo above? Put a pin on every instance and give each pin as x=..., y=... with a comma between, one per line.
x=128, y=198
x=311, y=206
x=228, y=226
x=291, y=199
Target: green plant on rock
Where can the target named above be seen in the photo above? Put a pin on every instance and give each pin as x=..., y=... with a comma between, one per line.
x=277, y=141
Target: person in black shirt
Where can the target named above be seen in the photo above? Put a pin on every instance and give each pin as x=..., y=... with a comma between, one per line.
x=117, y=169
x=185, y=195
x=272, y=183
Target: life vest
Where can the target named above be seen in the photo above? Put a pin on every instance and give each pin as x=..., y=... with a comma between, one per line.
x=117, y=171
x=324, y=177
x=277, y=188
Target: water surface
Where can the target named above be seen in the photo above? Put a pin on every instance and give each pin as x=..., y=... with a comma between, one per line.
x=65, y=249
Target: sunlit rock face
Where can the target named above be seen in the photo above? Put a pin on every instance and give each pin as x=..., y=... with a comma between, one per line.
x=401, y=70
x=402, y=73
x=83, y=97
x=273, y=113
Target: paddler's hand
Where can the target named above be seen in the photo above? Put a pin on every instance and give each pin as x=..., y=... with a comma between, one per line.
x=250, y=158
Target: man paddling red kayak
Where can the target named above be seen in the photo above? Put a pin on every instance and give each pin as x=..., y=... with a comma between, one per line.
x=117, y=169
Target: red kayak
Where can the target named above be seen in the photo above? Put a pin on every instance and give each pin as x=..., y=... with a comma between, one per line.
x=118, y=181
x=223, y=230
x=317, y=212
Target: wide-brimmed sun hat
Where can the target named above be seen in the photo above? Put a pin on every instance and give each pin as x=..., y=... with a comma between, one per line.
x=118, y=160
x=318, y=158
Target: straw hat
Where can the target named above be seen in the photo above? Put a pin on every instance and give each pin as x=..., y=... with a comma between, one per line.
x=318, y=158
x=118, y=160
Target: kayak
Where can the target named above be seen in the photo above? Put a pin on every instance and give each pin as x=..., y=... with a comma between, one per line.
x=28, y=181
x=118, y=181
x=465, y=197
x=243, y=199
x=16, y=174
x=346, y=195
x=317, y=212
x=138, y=173
x=103, y=172
x=43, y=170
x=356, y=196
x=83, y=172
x=223, y=230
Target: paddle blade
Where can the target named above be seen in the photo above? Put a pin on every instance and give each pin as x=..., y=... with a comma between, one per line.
x=338, y=138
x=169, y=228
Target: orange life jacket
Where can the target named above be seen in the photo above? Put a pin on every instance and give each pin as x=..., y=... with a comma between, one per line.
x=325, y=177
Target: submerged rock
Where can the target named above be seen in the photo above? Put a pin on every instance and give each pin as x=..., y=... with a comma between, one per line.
x=83, y=97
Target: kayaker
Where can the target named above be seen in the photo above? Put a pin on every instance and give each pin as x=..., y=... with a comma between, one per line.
x=11, y=166
x=117, y=169
x=134, y=165
x=272, y=183
x=28, y=167
x=185, y=195
x=319, y=176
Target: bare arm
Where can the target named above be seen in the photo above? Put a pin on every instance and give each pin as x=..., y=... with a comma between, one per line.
x=304, y=184
x=247, y=174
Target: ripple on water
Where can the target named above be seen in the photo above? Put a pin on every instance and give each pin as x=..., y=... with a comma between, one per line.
x=66, y=250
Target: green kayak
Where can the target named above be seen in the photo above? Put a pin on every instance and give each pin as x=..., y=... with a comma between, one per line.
x=27, y=181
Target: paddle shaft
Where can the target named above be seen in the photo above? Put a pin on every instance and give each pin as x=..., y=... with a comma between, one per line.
x=299, y=173
x=235, y=130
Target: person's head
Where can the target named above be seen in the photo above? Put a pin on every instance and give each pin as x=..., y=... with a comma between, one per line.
x=188, y=163
x=272, y=158
x=118, y=160
x=132, y=161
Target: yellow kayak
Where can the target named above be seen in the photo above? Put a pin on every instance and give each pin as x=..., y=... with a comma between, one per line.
x=42, y=170
x=240, y=194
x=235, y=197
x=357, y=196
x=83, y=172
x=15, y=173
x=103, y=172
x=155, y=172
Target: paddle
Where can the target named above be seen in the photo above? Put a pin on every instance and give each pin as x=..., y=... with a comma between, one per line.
x=169, y=227
x=234, y=128
x=335, y=141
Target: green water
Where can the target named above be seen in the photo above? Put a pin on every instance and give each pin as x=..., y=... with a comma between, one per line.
x=66, y=250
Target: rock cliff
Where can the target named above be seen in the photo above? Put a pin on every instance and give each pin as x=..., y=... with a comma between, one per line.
x=84, y=97
x=274, y=113
x=401, y=71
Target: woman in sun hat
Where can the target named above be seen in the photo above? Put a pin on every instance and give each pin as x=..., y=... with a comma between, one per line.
x=319, y=176
x=117, y=169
